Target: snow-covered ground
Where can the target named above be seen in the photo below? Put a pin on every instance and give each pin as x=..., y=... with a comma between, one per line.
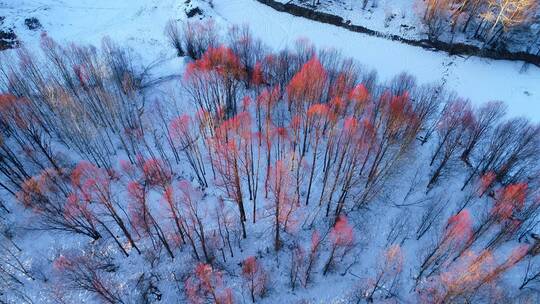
x=140, y=24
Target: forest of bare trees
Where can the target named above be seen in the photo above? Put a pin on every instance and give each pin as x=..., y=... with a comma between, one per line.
x=262, y=169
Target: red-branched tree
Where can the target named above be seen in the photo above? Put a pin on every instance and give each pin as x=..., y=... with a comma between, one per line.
x=463, y=279
x=206, y=285
x=305, y=89
x=486, y=182
x=169, y=198
x=312, y=257
x=359, y=100
x=352, y=150
x=214, y=81
x=255, y=277
x=90, y=272
x=456, y=237
x=318, y=116
x=232, y=146
x=93, y=185
x=511, y=208
x=388, y=274
x=141, y=216
x=509, y=200
x=241, y=128
x=48, y=196
x=282, y=201
x=265, y=104
x=155, y=173
x=341, y=242
x=225, y=222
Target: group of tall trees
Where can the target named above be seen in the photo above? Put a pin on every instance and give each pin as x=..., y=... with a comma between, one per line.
x=511, y=24
x=288, y=142
x=489, y=20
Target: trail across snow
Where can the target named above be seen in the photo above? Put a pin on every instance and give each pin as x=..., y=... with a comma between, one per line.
x=140, y=23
